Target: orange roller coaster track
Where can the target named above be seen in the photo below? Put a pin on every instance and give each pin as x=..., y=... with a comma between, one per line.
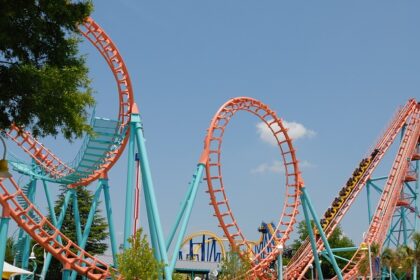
x=43, y=232
x=50, y=163
x=407, y=116
x=216, y=187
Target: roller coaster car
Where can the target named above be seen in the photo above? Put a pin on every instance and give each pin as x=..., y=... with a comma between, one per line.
x=328, y=214
x=357, y=172
x=334, y=210
x=364, y=163
x=324, y=223
x=343, y=192
x=350, y=182
x=374, y=153
x=337, y=202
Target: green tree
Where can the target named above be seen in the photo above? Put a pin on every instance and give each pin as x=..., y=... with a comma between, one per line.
x=416, y=248
x=233, y=267
x=96, y=243
x=336, y=240
x=138, y=262
x=364, y=264
x=43, y=81
x=388, y=260
x=10, y=250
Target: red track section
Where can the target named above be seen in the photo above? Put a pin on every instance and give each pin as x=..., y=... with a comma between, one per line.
x=392, y=192
x=300, y=262
x=212, y=159
x=44, y=157
x=44, y=233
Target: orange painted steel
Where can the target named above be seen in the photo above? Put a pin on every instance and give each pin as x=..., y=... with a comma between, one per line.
x=211, y=157
x=44, y=233
x=50, y=163
x=391, y=194
x=31, y=220
x=303, y=258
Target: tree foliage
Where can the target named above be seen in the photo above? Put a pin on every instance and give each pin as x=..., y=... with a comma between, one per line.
x=43, y=81
x=336, y=240
x=233, y=267
x=138, y=261
x=10, y=250
x=96, y=242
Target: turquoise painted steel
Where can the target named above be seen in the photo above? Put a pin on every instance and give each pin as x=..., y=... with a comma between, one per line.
x=47, y=260
x=152, y=227
x=404, y=224
x=368, y=202
x=89, y=221
x=378, y=189
x=344, y=249
x=402, y=210
x=280, y=266
x=66, y=274
x=4, y=228
x=27, y=246
x=413, y=192
x=129, y=191
x=323, y=237
x=389, y=234
x=15, y=259
x=195, y=183
x=50, y=205
x=311, y=237
x=76, y=215
x=147, y=183
x=179, y=216
x=324, y=254
x=379, y=179
x=111, y=227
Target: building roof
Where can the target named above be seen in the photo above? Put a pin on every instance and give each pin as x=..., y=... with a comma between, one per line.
x=196, y=266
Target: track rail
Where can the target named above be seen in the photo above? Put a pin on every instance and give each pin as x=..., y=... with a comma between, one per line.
x=216, y=188
x=391, y=194
x=301, y=261
x=44, y=233
x=44, y=157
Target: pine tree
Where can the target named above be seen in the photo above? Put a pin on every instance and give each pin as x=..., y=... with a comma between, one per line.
x=98, y=233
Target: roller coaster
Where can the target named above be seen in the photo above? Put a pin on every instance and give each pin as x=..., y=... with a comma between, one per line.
x=98, y=153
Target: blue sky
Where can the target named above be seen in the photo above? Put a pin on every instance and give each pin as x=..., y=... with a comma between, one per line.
x=338, y=68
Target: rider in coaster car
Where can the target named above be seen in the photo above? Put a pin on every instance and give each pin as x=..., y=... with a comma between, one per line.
x=375, y=152
x=328, y=214
x=343, y=192
x=350, y=182
x=337, y=202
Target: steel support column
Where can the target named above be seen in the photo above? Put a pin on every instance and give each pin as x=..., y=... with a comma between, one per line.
x=307, y=202
x=148, y=184
x=129, y=192
x=47, y=260
x=114, y=247
x=4, y=228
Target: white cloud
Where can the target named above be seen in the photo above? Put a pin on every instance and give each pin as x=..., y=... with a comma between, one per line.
x=277, y=166
x=296, y=131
